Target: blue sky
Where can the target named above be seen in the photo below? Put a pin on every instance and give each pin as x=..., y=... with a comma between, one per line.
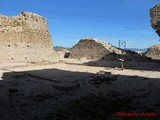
x=108, y=20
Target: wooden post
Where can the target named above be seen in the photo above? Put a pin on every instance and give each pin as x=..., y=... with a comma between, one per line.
x=122, y=66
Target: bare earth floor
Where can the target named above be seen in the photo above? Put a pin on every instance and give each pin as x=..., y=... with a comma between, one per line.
x=74, y=91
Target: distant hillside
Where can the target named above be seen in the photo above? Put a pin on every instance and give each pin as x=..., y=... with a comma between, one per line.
x=136, y=49
x=60, y=48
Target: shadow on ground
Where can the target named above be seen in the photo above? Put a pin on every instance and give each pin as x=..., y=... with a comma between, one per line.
x=53, y=94
x=154, y=65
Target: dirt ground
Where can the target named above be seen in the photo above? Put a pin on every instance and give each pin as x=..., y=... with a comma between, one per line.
x=79, y=90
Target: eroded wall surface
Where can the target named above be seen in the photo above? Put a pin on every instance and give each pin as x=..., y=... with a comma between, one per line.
x=25, y=38
x=155, y=18
x=92, y=48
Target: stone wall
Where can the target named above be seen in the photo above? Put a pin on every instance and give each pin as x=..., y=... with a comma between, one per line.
x=25, y=38
x=91, y=48
x=154, y=52
x=155, y=18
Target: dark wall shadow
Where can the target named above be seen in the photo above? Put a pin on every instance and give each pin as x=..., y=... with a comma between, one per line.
x=33, y=95
x=132, y=60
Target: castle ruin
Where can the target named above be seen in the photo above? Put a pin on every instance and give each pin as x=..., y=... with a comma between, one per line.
x=155, y=18
x=25, y=38
x=93, y=48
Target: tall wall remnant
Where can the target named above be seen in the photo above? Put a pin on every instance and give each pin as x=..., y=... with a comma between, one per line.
x=154, y=51
x=92, y=48
x=155, y=18
x=25, y=38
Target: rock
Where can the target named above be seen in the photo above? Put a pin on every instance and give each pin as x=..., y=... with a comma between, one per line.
x=92, y=48
x=25, y=38
x=155, y=18
x=154, y=51
x=66, y=55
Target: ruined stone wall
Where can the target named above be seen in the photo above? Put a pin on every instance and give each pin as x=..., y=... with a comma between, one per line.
x=155, y=18
x=154, y=51
x=90, y=48
x=25, y=38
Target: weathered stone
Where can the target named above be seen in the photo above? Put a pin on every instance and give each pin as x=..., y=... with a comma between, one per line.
x=25, y=38
x=154, y=51
x=91, y=48
x=155, y=18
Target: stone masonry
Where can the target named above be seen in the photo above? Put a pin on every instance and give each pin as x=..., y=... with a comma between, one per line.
x=155, y=18
x=25, y=38
x=95, y=49
x=154, y=51
x=92, y=48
